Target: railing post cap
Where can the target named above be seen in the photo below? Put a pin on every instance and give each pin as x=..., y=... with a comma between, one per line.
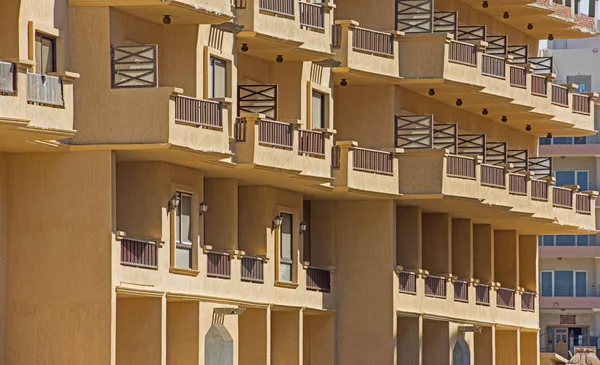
x=591, y=193
x=549, y=179
x=509, y=58
x=328, y=4
x=347, y=23
x=399, y=268
x=305, y=264
x=235, y=254
x=394, y=151
x=327, y=131
x=479, y=160
x=120, y=235
x=550, y=76
x=177, y=91
x=571, y=87
x=207, y=248
x=265, y=258
x=346, y=144
x=397, y=33
x=573, y=188
x=252, y=116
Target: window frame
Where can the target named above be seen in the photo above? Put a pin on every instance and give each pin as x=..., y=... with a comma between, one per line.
x=179, y=242
x=574, y=283
x=323, y=113
x=541, y=284
x=211, y=76
x=575, y=172
x=282, y=260
x=38, y=52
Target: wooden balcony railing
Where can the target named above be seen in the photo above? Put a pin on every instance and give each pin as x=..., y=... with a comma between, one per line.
x=139, y=253
x=539, y=190
x=482, y=294
x=435, y=286
x=583, y=204
x=335, y=157
x=560, y=95
x=461, y=291
x=517, y=184
x=276, y=134
x=528, y=302
x=493, y=176
x=285, y=7
x=311, y=143
x=367, y=40
x=45, y=90
x=201, y=113
x=518, y=77
x=252, y=269
x=318, y=279
x=408, y=282
x=505, y=298
x=378, y=162
x=539, y=85
x=312, y=15
x=239, y=131
x=562, y=197
x=8, y=78
x=461, y=52
x=493, y=66
x=581, y=104
x=336, y=36
x=461, y=166
x=218, y=265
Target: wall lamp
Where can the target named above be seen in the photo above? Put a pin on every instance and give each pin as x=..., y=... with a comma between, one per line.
x=173, y=203
x=530, y=26
x=203, y=208
x=484, y=111
x=245, y=47
x=504, y=119
x=166, y=20
x=279, y=58
x=277, y=222
x=459, y=102
x=431, y=92
x=549, y=135
x=485, y=5
x=303, y=227
x=506, y=15
x=344, y=82
x=528, y=128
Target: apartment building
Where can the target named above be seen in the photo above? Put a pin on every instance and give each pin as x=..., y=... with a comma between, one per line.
x=280, y=182
x=568, y=264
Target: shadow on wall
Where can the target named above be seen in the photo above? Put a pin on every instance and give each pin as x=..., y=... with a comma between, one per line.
x=218, y=346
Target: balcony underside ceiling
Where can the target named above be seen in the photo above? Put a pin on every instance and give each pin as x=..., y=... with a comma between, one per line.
x=268, y=47
x=522, y=12
x=359, y=77
x=16, y=136
x=475, y=99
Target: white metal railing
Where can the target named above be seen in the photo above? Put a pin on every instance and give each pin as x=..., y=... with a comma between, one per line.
x=44, y=89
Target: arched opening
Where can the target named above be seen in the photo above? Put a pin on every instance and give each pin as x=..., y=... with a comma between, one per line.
x=218, y=346
x=461, y=355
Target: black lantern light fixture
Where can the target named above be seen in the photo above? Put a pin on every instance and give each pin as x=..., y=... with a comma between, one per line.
x=550, y=37
x=166, y=20
x=530, y=26
x=303, y=227
x=504, y=119
x=528, y=128
x=277, y=221
x=485, y=5
x=484, y=111
x=344, y=82
x=245, y=47
x=431, y=92
x=173, y=203
x=203, y=208
x=506, y=15
x=279, y=58
x=459, y=102
x=549, y=135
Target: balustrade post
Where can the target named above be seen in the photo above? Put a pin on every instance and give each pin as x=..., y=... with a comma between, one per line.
x=346, y=39
x=245, y=150
x=571, y=88
x=574, y=190
x=478, y=163
x=346, y=161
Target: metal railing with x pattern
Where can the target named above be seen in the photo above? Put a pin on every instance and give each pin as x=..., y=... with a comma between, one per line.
x=519, y=53
x=414, y=16
x=258, y=99
x=472, y=33
x=134, y=66
x=519, y=159
x=472, y=145
x=445, y=22
x=445, y=136
x=543, y=65
x=414, y=131
x=496, y=153
x=541, y=166
x=497, y=45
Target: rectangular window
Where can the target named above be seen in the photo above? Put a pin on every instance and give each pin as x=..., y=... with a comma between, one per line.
x=581, y=284
x=318, y=110
x=563, y=283
x=546, y=283
x=583, y=82
x=217, y=78
x=580, y=178
x=183, y=232
x=45, y=54
x=286, y=247
x=565, y=240
x=583, y=240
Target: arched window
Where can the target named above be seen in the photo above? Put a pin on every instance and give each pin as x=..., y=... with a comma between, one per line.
x=218, y=346
x=461, y=355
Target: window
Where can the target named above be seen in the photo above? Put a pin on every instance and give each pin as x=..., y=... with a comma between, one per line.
x=581, y=284
x=318, y=110
x=564, y=240
x=563, y=140
x=546, y=283
x=563, y=283
x=217, y=78
x=183, y=232
x=572, y=178
x=45, y=54
x=286, y=247
x=583, y=82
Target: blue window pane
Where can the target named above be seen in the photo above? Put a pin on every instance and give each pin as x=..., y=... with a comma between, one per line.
x=580, y=284
x=547, y=240
x=581, y=88
x=545, y=141
x=583, y=240
x=562, y=140
x=563, y=283
x=580, y=140
x=582, y=180
x=546, y=284
x=565, y=240
x=565, y=178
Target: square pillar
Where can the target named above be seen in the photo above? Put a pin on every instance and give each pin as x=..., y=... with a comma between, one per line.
x=484, y=346
x=462, y=248
x=410, y=340
x=183, y=333
x=506, y=258
x=286, y=337
x=318, y=342
x=221, y=220
x=255, y=341
x=483, y=252
x=508, y=347
x=528, y=262
x=530, y=348
x=409, y=237
x=436, y=340
x=437, y=236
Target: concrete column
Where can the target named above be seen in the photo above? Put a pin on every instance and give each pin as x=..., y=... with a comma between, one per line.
x=409, y=237
x=140, y=331
x=410, y=340
x=367, y=284
x=528, y=262
x=437, y=236
x=485, y=353
x=462, y=248
x=436, y=340
x=507, y=347
x=483, y=252
x=221, y=220
x=254, y=332
x=506, y=258
x=318, y=341
x=286, y=337
x=183, y=333
x=529, y=348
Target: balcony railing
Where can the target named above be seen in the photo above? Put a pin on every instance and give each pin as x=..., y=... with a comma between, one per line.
x=218, y=265
x=539, y=190
x=461, y=52
x=461, y=166
x=139, y=253
x=371, y=41
x=435, y=286
x=505, y=298
x=134, y=66
x=583, y=204
x=581, y=104
x=378, y=162
x=408, y=282
x=482, y=294
x=311, y=143
x=518, y=77
x=461, y=291
x=240, y=128
x=560, y=95
x=493, y=66
x=569, y=291
x=252, y=269
x=276, y=134
x=539, y=85
x=318, y=279
x=493, y=176
x=201, y=113
x=8, y=78
x=285, y=7
x=312, y=15
x=45, y=90
x=528, y=302
x=517, y=184
x=562, y=197
x=336, y=153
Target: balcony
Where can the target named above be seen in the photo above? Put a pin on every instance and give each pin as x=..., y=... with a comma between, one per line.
x=569, y=246
x=37, y=110
x=296, y=30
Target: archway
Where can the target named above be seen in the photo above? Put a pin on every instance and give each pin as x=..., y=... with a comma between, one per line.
x=218, y=346
x=461, y=355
